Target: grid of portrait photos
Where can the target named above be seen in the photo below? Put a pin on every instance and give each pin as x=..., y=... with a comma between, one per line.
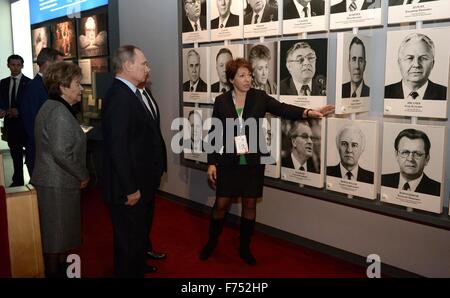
x=290, y=63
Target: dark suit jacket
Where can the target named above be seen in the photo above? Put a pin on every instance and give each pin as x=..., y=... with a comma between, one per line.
x=290, y=11
x=363, y=175
x=215, y=87
x=433, y=91
x=400, y=2
x=341, y=6
x=34, y=97
x=287, y=87
x=135, y=152
x=187, y=27
x=270, y=14
x=14, y=128
x=201, y=86
x=233, y=20
x=257, y=104
x=287, y=163
x=426, y=185
x=346, y=89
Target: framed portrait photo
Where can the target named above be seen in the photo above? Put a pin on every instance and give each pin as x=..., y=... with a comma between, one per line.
x=196, y=75
x=352, y=157
x=93, y=36
x=64, y=38
x=417, y=73
x=261, y=18
x=413, y=166
x=40, y=38
x=226, y=19
x=305, y=16
x=353, y=73
x=195, y=26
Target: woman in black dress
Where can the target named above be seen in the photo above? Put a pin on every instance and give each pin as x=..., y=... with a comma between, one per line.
x=240, y=173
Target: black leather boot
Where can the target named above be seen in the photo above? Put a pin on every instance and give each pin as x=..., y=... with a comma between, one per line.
x=215, y=229
x=247, y=228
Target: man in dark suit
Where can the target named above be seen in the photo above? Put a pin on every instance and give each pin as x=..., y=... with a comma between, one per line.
x=225, y=18
x=223, y=56
x=260, y=12
x=195, y=83
x=356, y=66
x=354, y=5
x=416, y=61
x=300, y=157
x=11, y=92
x=404, y=2
x=350, y=142
x=412, y=150
x=294, y=9
x=34, y=96
x=134, y=160
x=193, y=20
x=301, y=64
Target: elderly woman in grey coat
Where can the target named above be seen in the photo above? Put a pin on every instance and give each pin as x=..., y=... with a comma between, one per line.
x=60, y=168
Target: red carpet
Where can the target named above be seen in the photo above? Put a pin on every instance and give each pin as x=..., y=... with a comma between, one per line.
x=181, y=232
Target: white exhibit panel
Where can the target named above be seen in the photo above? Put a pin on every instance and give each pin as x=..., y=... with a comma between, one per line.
x=226, y=19
x=196, y=75
x=367, y=13
x=195, y=24
x=413, y=166
x=21, y=32
x=417, y=68
x=264, y=60
x=271, y=127
x=302, y=151
x=219, y=57
x=400, y=12
x=352, y=157
x=303, y=72
x=310, y=18
x=261, y=18
x=195, y=132
x=353, y=72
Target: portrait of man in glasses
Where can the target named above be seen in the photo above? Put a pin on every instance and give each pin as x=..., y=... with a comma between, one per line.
x=416, y=61
x=412, y=152
x=302, y=80
x=299, y=157
x=350, y=144
x=194, y=19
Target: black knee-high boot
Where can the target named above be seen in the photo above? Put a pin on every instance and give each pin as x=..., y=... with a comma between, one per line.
x=215, y=229
x=247, y=228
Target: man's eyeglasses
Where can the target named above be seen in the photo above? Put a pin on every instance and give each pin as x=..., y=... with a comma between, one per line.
x=415, y=154
x=300, y=60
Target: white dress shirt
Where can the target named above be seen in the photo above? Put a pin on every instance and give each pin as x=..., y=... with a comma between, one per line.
x=300, y=9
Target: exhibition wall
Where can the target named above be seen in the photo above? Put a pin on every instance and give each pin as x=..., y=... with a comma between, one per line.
x=410, y=246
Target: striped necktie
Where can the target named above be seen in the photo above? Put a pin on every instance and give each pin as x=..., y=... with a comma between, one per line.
x=353, y=6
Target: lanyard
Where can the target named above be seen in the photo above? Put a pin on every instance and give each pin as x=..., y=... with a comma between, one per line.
x=241, y=121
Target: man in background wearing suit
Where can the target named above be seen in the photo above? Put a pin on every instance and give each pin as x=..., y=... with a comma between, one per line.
x=412, y=150
x=134, y=160
x=301, y=64
x=294, y=9
x=301, y=138
x=354, y=5
x=356, y=66
x=223, y=56
x=405, y=2
x=416, y=61
x=11, y=92
x=34, y=96
x=193, y=20
x=225, y=18
x=195, y=83
x=260, y=12
x=350, y=142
